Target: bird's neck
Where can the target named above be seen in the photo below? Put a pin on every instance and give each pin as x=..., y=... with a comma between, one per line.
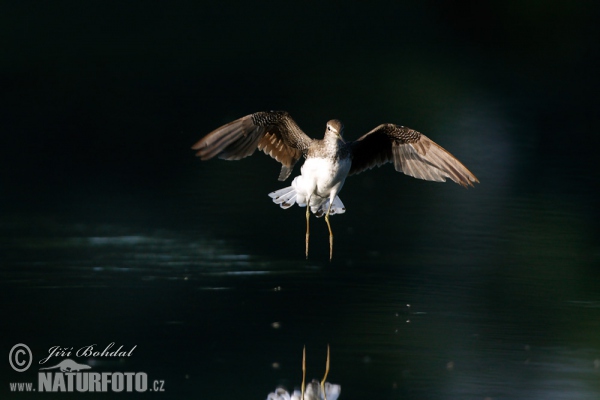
x=334, y=145
x=333, y=142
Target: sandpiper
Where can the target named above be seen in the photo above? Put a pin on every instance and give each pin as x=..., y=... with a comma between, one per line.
x=329, y=161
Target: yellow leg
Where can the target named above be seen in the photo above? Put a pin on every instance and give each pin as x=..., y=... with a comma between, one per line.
x=330, y=232
x=303, y=372
x=307, y=227
x=325, y=377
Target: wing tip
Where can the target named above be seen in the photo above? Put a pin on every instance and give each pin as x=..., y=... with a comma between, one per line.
x=468, y=181
x=201, y=148
x=198, y=146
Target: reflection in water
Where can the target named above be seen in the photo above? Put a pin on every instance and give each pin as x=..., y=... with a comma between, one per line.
x=314, y=390
x=77, y=254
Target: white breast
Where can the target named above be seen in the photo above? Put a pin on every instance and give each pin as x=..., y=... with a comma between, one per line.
x=321, y=177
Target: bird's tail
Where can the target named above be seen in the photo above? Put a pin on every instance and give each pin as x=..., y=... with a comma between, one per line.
x=288, y=196
x=285, y=197
x=337, y=207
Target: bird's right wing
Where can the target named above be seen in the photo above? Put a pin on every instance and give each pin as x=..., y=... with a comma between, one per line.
x=411, y=152
x=273, y=132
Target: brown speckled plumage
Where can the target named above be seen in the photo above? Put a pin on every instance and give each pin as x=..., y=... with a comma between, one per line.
x=278, y=135
x=329, y=161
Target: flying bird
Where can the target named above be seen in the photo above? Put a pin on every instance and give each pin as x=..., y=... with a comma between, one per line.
x=329, y=161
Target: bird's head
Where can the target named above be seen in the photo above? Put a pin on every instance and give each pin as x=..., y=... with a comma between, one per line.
x=335, y=129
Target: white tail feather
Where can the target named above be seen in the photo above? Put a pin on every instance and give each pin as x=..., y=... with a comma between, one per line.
x=336, y=208
x=285, y=197
x=288, y=196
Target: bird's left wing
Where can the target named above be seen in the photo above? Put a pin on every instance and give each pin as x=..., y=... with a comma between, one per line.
x=411, y=152
x=273, y=132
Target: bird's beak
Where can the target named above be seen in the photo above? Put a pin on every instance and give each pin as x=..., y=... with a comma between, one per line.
x=339, y=135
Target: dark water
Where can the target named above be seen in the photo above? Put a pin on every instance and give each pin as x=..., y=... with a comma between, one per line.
x=434, y=291
x=111, y=231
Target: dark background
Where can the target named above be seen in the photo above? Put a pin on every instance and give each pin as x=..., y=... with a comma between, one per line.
x=112, y=230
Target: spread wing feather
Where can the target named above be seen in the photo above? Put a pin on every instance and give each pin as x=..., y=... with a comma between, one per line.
x=273, y=132
x=412, y=153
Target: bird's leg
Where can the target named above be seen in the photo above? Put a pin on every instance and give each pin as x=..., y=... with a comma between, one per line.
x=307, y=226
x=325, y=377
x=303, y=372
x=330, y=232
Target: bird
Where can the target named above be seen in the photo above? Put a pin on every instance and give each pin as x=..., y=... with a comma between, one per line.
x=329, y=161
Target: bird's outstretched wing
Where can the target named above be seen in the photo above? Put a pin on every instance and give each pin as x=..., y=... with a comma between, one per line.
x=273, y=132
x=411, y=152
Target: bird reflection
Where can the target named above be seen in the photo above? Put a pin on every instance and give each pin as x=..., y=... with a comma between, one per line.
x=315, y=390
